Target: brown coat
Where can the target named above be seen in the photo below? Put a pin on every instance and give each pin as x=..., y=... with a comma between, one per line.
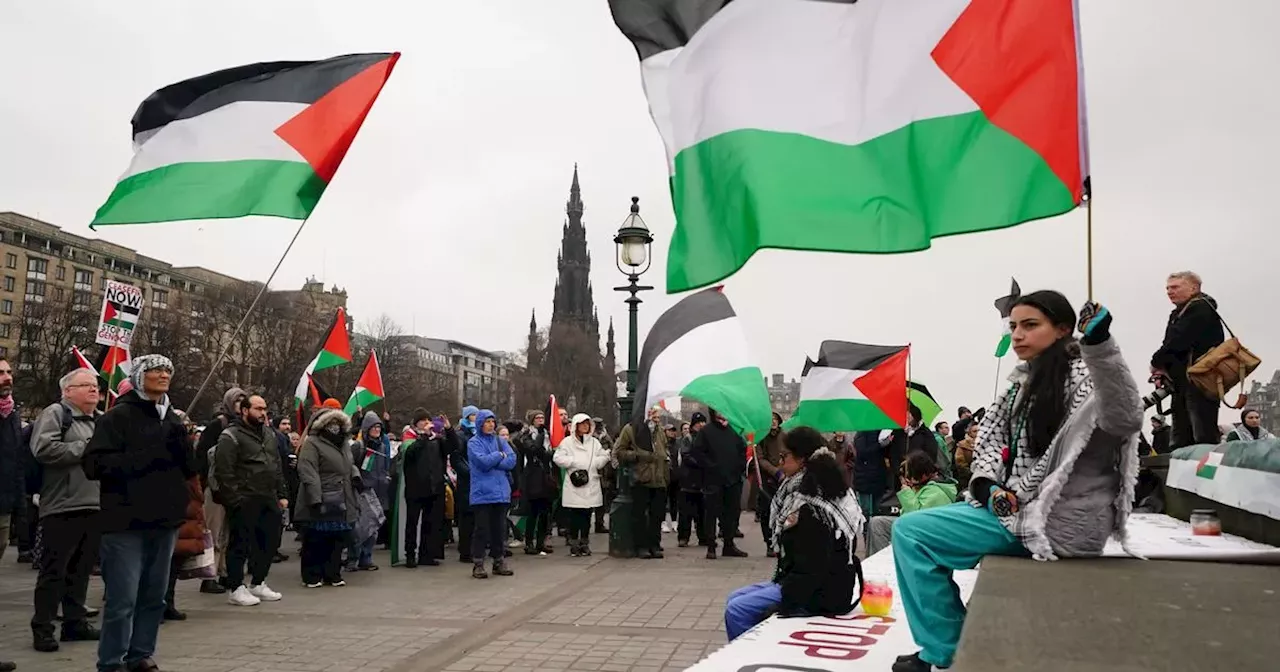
x=191, y=533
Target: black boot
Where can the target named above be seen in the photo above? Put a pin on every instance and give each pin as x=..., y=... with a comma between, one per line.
x=731, y=551
x=410, y=561
x=79, y=632
x=212, y=587
x=711, y=551
x=500, y=568
x=171, y=613
x=912, y=663
x=44, y=642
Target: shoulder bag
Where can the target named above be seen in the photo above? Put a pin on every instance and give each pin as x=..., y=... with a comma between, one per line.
x=1223, y=367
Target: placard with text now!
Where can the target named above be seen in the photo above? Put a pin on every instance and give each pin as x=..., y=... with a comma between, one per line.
x=855, y=641
x=121, y=306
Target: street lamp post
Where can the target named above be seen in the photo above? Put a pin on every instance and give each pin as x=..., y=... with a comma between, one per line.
x=633, y=259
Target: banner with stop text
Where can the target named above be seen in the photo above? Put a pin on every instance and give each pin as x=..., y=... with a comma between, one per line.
x=850, y=643
x=121, y=306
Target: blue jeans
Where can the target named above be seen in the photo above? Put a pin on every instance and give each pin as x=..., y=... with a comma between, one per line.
x=748, y=606
x=135, y=571
x=362, y=552
x=927, y=546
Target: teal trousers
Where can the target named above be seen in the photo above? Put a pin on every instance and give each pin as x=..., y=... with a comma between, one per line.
x=928, y=546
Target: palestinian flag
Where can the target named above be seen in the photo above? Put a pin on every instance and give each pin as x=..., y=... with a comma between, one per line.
x=260, y=139
x=1207, y=466
x=698, y=349
x=1004, y=304
x=120, y=315
x=82, y=362
x=853, y=387
x=334, y=349
x=368, y=388
x=871, y=126
x=555, y=431
x=919, y=395
x=114, y=369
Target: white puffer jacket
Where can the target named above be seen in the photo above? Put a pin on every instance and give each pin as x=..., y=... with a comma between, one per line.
x=585, y=453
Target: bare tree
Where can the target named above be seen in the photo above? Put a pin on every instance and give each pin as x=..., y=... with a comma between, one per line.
x=47, y=329
x=571, y=367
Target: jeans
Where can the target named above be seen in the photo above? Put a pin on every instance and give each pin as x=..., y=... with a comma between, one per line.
x=928, y=546
x=135, y=573
x=321, y=556
x=538, y=524
x=647, y=509
x=255, y=533
x=749, y=606
x=70, y=550
x=491, y=531
x=723, y=505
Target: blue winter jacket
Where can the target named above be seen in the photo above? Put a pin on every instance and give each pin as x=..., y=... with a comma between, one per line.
x=489, y=468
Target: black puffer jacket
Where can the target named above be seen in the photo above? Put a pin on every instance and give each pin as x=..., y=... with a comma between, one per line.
x=424, y=461
x=721, y=454
x=870, y=475
x=14, y=456
x=537, y=472
x=142, y=462
x=688, y=473
x=814, y=570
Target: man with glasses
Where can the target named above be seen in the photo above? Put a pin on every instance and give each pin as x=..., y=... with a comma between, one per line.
x=140, y=457
x=68, y=512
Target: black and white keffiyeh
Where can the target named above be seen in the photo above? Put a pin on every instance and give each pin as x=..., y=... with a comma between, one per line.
x=843, y=516
x=995, y=435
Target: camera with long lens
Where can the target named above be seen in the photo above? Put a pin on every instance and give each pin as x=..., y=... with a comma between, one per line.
x=1163, y=388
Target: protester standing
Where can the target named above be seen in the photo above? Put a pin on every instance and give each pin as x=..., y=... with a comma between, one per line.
x=1193, y=330
x=643, y=446
x=722, y=455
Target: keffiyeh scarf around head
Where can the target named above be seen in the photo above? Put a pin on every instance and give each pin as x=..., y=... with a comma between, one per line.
x=842, y=516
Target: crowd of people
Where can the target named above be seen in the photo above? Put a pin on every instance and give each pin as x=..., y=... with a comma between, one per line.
x=144, y=497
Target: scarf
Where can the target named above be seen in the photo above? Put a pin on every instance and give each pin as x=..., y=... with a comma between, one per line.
x=1245, y=432
x=843, y=516
x=6, y=405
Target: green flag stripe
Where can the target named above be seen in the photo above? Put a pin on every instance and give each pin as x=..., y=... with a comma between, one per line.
x=840, y=415
x=750, y=189
x=214, y=190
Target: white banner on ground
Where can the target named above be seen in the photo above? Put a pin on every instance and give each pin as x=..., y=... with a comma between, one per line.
x=1156, y=536
x=855, y=641
x=121, y=306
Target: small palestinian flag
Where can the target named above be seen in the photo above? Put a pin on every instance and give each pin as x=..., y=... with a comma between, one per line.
x=1004, y=304
x=334, y=349
x=120, y=315
x=555, y=431
x=260, y=139
x=870, y=126
x=82, y=362
x=1208, y=465
x=698, y=349
x=368, y=388
x=853, y=387
x=115, y=370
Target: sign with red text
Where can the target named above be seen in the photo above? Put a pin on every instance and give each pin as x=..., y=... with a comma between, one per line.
x=855, y=641
x=121, y=305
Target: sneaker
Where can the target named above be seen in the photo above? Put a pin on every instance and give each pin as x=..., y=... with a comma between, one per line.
x=263, y=592
x=336, y=584
x=500, y=569
x=514, y=543
x=44, y=643
x=241, y=597
x=682, y=543
x=477, y=571
x=317, y=584
x=542, y=554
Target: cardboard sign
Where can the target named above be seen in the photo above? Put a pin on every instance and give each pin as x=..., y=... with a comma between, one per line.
x=855, y=641
x=121, y=306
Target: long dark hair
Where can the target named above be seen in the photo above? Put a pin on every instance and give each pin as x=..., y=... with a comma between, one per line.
x=822, y=476
x=1045, y=400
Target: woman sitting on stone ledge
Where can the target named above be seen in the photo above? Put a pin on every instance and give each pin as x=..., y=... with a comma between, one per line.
x=816, y=521
x=1053, y=470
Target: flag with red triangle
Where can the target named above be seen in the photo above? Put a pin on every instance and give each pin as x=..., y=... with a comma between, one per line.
x=114, y=369
x=83, y=362
x=259, y=139
x=555, y=430
x=334, y=350
x=853, y=387
x=368, y=388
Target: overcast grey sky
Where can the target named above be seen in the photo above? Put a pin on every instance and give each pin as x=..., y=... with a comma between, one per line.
x=446, y=213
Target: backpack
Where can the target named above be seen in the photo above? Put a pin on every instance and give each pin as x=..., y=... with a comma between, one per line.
x=32, y=470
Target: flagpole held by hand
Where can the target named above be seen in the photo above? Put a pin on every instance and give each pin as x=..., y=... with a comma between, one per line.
x=1088, y=226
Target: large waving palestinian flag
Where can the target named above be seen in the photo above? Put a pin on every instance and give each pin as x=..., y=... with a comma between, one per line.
x=853, y=387
x=698, y=350
x=869, y=126
x=368, y=388
x=260, y=139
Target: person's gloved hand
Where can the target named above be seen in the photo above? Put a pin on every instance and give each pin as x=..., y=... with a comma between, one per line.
x=1001, y=502
x=1095, y=323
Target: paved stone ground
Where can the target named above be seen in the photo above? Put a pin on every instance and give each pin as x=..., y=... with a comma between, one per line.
x=556, y=613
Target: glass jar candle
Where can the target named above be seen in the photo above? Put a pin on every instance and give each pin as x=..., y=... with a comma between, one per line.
x=1204, y=522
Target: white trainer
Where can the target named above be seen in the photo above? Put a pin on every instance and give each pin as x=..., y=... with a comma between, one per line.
x=263, y=592
x=241, y=597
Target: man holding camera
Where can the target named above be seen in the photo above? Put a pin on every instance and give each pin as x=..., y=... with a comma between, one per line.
x=1194, y=329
